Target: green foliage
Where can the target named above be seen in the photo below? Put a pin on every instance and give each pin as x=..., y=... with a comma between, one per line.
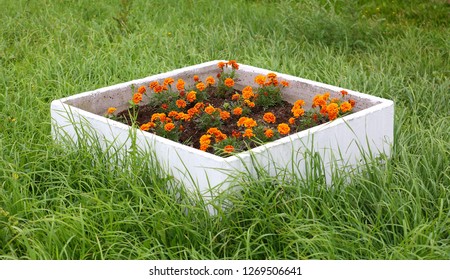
x=82, y=203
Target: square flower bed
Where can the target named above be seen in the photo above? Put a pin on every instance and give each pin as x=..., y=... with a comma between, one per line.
x=341, y=142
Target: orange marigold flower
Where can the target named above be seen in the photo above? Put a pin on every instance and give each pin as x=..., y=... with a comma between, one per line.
x=292, y=121
x=269, y=133
x=172, y=114
x=196, y=78
x=284, y=83
x=153, y=84
x=141, y=89
x=164, y=106
x=180, y=103
x=326, y=95
x=332, y=111
x=213, y=131
x=147, y=126
x=283, y=129
x=233, y=64
x=299, y=103
x=224, y=115
x=137, y=97
x=298, y=112
x=169, y=126
x=249, y=103
x=111, y=110
x=184, y=116
x=247, y=92
x=169, y=81
x=345, y=107
x=180, y=84
x=237, y=111
x=158, y=116
x=158, y=88
x=221, y=64
x=210, y=80
x=352, y=102
x=229, y=82
x=235, y=134
x=319, y=100
x=209, y=109
x=335, y=100
x=344, y=92
x=249, y=123
x=241, y=121
x=228, y=149
x=205, y=141
x=200, y=86
x=191, y=96
x=248, y=133
x=271, y=76
x=220, y=137
x=199, y=105
x=192, y=111
x=269, y=117
x=235, y=97
x=260, y=80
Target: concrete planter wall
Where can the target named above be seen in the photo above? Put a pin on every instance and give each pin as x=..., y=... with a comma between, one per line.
x=339, y=143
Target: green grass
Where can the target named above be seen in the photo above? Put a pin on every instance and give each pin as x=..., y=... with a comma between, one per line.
x=58, y=203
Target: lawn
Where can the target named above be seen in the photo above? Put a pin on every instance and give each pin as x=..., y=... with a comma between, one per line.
x=74, y=203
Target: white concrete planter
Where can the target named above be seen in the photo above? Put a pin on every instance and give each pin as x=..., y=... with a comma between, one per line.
x=342, y=142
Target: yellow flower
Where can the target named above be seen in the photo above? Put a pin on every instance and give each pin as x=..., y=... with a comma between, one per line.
x=332, y=111
x=224, y=115
x=247, y=92
x=200, y=86
x=248, y=133
x=180, y=103
x=345, y=107
x=180, y=84
x=191, y=96
x=229, y=82
x=209, y=109
x=237, y=111
x=210, y=80
x=260, y=80
x=111, y=110
x=169, y=126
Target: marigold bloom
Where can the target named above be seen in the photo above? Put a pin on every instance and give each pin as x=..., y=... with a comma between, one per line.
x=269, y=117
x=220, y=137
x=158, y=116
x=298, y=112
x=271, y=76
x=249, y=123
x=235, y=134
x=269, y=133
x=158, y=88
x=248, y=133
x=260, y=80
x=209, y=109
x=164, y=106
x=228, y=149
x=235, y=97
x=319, y=100
x=344, y=92
x=111, y=110
x=221, y=64
x=352, y=102
x=229, y=82
x=205, y=141
x=137, y=97
x=335, y=100
x=283, y=129
x=196, y=78
x=332, y=111
x=292, y=121
x=172, y=114
x=199, y=105
x=169, y=81
x=210, y=80
x=192, y=111
x=249, y=103
x=247, y=92
x=284, y=83
x=153, y=84
x=180, y=103
x=141, y=89
x=224, y=115
x=326, y=95
x=191, y=96
x=345, y=107
x=213, y=131
x=180, y=84
x=169, y=126
x=299, y=103
x=233, y=64
x=184, y=116
x=200, y=86
x=147, y=126
x=237, y=111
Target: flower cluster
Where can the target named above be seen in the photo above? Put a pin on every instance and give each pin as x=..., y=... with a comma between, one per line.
x=210, y=114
